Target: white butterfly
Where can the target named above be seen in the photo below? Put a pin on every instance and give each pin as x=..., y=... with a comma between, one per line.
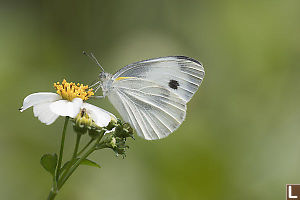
x=152, y=94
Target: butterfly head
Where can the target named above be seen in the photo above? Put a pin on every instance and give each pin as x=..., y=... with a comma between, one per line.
x=104, y=81
x=103, y=76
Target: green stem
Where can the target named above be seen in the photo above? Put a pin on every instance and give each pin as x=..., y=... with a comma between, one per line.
x=72, y=169
x=52, y=194
x=61, y=151
x=53, y=191
x=76, y=147
x=74, y=156
x=86, y=146
x=68, y=173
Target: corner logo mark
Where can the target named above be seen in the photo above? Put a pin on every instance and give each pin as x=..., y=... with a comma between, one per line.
x=293, y=191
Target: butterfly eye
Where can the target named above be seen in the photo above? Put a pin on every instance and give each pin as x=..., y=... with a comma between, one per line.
x=173, y=84
x=102, y=75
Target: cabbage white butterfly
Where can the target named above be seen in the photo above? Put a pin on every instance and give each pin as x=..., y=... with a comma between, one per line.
x=152, y=94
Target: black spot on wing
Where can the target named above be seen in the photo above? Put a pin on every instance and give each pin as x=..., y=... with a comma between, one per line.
x=173, y=84
x=188, y=58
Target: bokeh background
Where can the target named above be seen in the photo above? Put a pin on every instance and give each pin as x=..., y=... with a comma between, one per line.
x=241, y=136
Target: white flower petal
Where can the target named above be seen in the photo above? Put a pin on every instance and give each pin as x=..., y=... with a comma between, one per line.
x=108, y=131
x=66, y=108
x=100, y=116
x=44, y=113
x=38, y=98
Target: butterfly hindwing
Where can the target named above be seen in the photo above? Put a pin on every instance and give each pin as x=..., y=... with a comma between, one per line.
x=154, y=111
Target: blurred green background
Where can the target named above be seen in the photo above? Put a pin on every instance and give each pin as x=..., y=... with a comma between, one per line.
x=240, y=139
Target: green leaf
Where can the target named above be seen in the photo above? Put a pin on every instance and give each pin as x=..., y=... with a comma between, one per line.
x=90, y=163
x=49, y=162
x=83, y=162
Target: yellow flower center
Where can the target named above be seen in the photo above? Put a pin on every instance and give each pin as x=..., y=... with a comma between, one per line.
x=69, y=91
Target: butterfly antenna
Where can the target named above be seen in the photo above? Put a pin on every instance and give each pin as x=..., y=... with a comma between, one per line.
x=93, y=58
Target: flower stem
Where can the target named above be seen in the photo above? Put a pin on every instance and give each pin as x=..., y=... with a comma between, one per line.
x=86, y=146
x=61, y=151
x=72, y=169
x=54, y=190
x=52, y=194
x=76, y=147
x=66, y=175
x=74, y=156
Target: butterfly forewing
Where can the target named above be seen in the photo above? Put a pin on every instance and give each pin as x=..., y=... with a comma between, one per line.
x=179, y=74
x=152, y=94
x=154, y=111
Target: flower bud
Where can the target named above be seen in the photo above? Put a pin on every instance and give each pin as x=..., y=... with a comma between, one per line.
x=121, y=146
x=113, y=142
x=124, y=130
x=108, y=141
x=95, y=131
x=117, y=144
x=81, y=122
x=112, y=124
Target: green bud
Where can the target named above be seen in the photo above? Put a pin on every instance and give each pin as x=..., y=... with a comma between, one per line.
x=117, y=144
x=124, y=130
x=113, y=142
x=95, y=131
x=120, y=151
x=121, y=146
x=112, y=124
x=81, y=122
x=108, y=141
x=80, y=129
x=116, y=140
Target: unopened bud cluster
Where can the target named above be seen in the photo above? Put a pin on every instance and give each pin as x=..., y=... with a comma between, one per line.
x=116, y=140
x=115, y=133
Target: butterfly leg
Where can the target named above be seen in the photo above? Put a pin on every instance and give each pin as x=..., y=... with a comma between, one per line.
x=96, y=83
x=97, y=97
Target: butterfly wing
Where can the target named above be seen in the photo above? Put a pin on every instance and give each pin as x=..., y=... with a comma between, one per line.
x=180, y=74
x=154, y=111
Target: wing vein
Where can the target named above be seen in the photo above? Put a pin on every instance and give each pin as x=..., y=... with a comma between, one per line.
x=150, y=103
x=142, y=123
x=156, y=95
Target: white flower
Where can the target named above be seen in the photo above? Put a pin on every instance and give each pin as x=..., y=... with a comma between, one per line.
x=47, y=106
